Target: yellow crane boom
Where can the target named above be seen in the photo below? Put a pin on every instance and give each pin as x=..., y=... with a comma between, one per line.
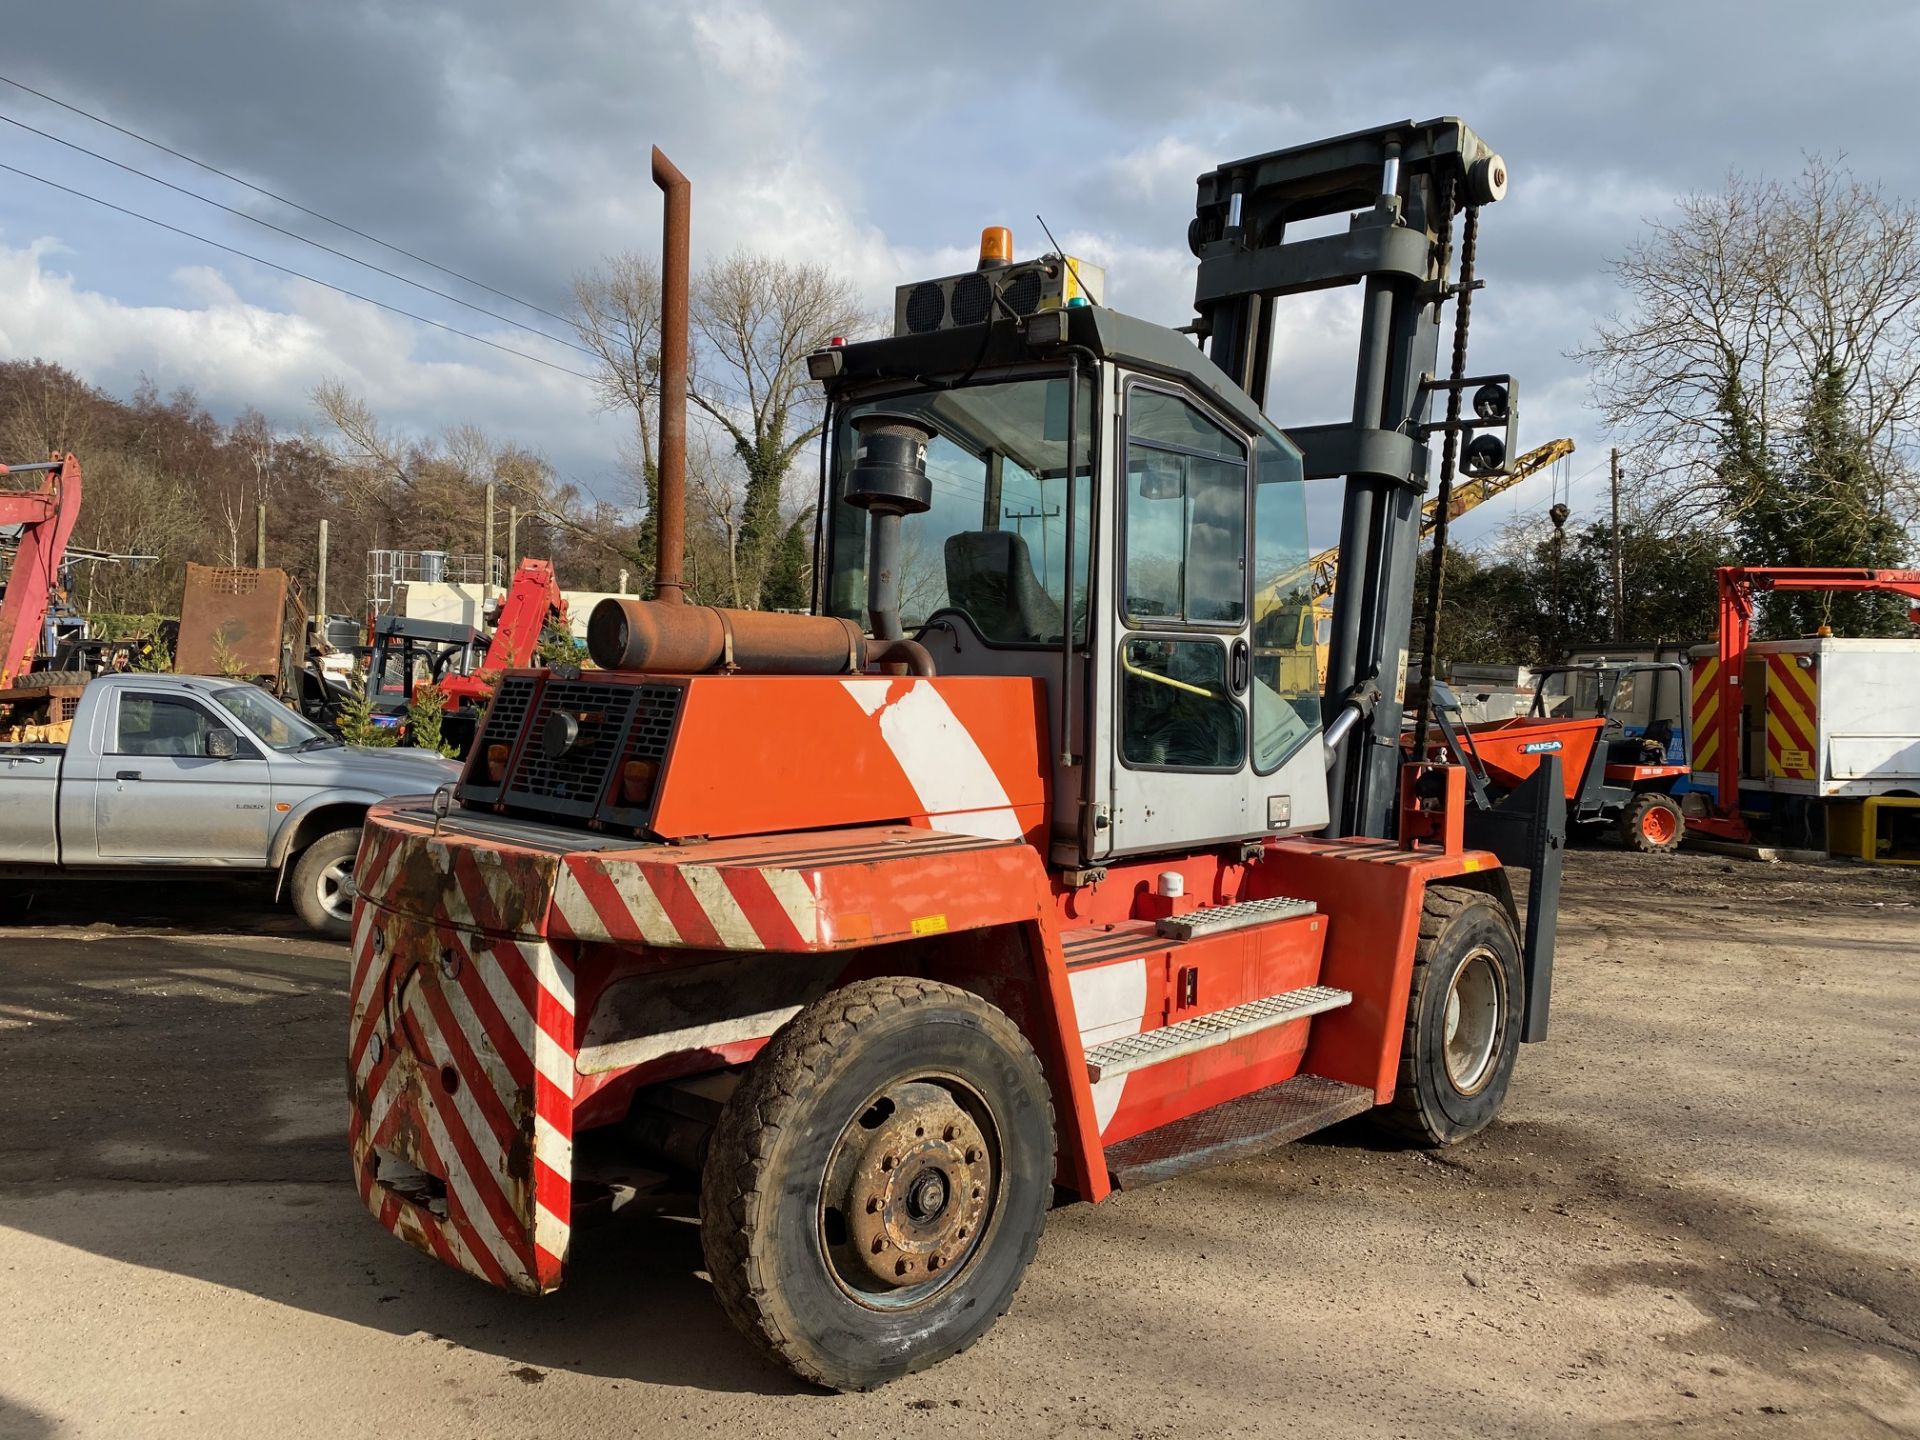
x=1471, y=491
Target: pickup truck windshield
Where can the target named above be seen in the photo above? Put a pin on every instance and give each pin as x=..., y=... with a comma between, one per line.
x=270, y=722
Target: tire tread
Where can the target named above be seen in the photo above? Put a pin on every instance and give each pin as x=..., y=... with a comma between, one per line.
x=1404, y=1118
x=771, y=1099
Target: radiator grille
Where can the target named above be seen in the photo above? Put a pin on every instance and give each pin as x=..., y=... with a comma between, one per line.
x=653, y=725
x=512, y=698
x=572, y=784
x=650, y=737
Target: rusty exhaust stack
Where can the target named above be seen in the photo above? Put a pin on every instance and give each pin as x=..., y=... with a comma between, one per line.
x=675, y=282
x=651, y=638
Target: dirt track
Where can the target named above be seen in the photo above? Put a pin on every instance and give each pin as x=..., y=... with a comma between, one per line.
x=1698, y=1216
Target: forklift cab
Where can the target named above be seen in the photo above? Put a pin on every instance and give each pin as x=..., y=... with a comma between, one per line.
x=1173, y=544
x=408, y=653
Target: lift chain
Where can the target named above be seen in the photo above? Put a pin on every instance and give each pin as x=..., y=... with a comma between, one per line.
x=1449, y=450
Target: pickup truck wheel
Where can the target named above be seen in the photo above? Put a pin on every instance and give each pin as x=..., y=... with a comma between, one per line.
x=878, y=1182
x=323, y=883
x=1463, y=1020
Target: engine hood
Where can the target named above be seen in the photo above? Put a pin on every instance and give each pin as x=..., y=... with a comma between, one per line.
x=386, y=772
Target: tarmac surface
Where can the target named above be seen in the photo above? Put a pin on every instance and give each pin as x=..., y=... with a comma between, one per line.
x=1699, y=1215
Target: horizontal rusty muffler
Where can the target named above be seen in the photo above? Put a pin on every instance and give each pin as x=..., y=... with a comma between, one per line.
x=666, y=639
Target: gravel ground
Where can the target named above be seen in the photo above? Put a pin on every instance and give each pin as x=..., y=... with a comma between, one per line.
x=1697, y=1216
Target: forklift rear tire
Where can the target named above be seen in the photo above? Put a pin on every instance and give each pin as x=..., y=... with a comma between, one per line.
x=322, y=883
x=1463, y=1020
x=1653, y=824
x=878, y=1182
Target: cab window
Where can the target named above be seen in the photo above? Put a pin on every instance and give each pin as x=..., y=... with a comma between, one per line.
x=1186, y=503
x=1178, y=712
x=1287, y=618
x=992, y=545
x=160, y=725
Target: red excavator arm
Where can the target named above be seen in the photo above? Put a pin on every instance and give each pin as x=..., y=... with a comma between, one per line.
x=1739, y=585
x=531, y=598
x=46, y=517
x=533, y=595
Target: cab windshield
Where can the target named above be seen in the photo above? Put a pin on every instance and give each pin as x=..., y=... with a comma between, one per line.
x=270, y=722
x=992, y=545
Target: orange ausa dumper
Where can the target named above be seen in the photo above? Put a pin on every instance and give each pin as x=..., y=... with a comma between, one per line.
x=1013, y=866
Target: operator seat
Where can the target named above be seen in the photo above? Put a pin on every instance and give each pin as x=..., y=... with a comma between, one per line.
x=990, y=576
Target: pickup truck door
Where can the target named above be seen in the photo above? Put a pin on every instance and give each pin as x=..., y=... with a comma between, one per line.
x=29, y=785
x=160, y=798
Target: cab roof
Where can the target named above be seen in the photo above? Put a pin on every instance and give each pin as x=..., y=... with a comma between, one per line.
x=1107, y=334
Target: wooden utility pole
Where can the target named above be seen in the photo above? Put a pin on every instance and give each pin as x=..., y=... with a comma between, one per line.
x=513, y=541
x=1619, y=566
x=486, y=591
x=320, y=581
x=260, y=537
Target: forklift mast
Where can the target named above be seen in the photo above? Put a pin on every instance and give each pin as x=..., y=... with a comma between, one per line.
x=1403, y=183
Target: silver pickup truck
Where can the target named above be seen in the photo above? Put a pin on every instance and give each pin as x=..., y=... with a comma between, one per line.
x=178, y=773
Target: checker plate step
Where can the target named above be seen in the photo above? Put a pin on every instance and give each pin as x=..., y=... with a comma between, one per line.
x=1136, y=1052
x=1236, y=1129
x=1212, y=919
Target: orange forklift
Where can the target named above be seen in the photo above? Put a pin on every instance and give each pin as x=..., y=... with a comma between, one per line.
x=1013, y=871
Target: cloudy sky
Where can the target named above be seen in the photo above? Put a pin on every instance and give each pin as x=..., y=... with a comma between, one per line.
x=509, y=142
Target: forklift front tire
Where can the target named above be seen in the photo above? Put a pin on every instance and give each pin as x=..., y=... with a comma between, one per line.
x=878, y=1182
x=1653, y=824
x=1463, y=1020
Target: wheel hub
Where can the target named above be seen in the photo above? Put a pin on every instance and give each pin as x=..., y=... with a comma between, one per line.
x=336, y=888
x=918, y=1188
x=1473, y=1021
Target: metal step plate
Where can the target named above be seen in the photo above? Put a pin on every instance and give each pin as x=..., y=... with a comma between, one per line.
x=1215, y=918
x=1135, y=1052
x=1238, y=1128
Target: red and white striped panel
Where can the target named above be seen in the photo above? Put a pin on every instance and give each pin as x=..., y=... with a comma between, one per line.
x=452, y=1033
x=705, y=907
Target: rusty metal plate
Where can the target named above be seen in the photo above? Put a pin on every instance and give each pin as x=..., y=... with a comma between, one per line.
x=233, y=621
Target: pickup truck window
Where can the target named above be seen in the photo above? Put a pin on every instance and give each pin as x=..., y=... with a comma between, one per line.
x=160, y=725
x=270, y=722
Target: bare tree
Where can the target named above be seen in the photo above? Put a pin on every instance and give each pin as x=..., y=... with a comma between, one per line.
x=616, y=313
x=1752, y=308
x=758, y=318
x=434, y=484
x=755, y=320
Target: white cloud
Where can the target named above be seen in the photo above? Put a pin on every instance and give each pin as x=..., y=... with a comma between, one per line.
x=745, y=44
x=235, y=352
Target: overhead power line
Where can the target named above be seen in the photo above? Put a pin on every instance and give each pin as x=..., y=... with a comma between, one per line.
x=298, y=274
x=281, y=199
x=296, y=235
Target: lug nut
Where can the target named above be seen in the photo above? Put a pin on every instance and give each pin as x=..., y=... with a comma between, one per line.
x=951, y=1133
x=902, y=1267
x=887, y=1162
x=873, y=1204
x=973, y=1155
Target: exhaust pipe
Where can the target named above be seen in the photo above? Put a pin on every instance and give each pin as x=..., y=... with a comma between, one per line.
x=670, y=516
x=650, y=637
x=888, y=481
